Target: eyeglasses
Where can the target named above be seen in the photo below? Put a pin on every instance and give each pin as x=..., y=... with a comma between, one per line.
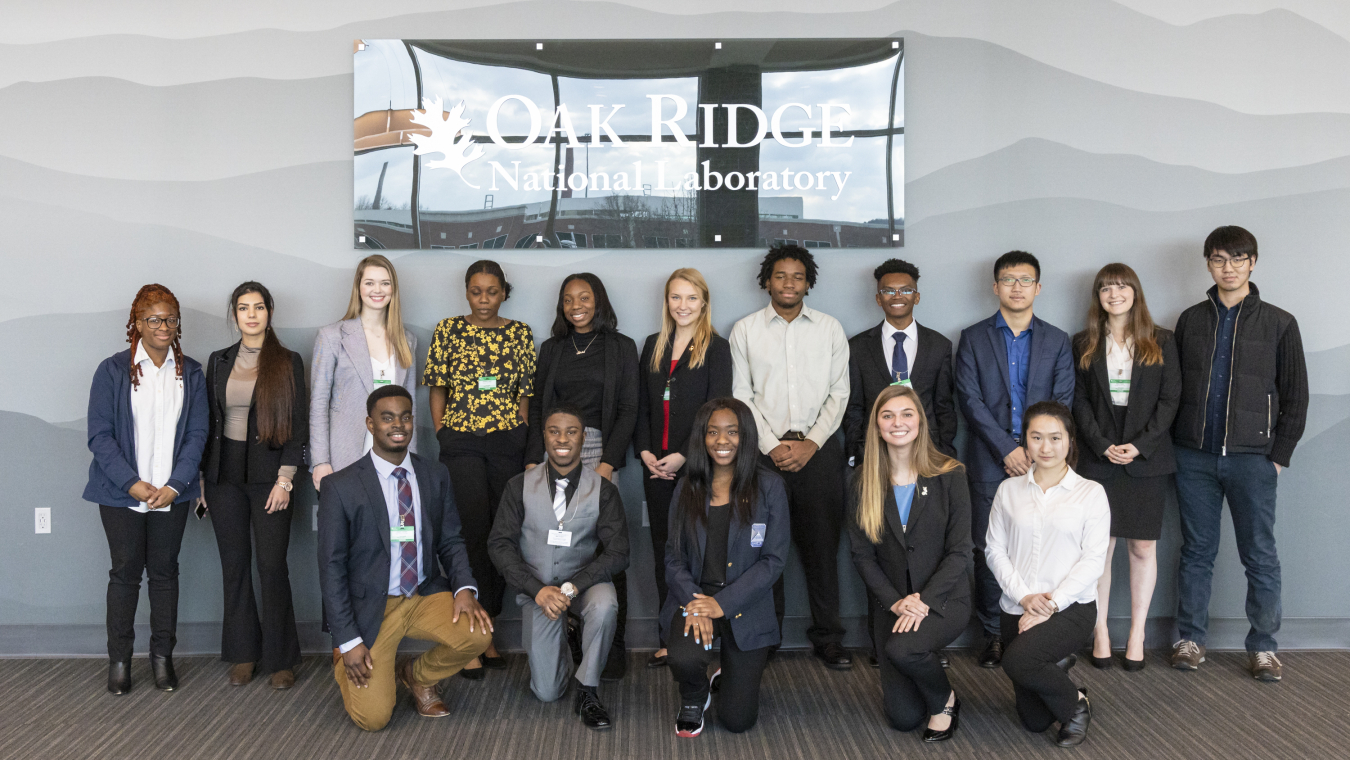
x=1008, y=282
x=155, y=322
x=892, y=292
x=1219, y=262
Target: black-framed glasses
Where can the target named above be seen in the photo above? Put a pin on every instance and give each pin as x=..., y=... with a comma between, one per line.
x=1008, y=282
x=156, y=322
x=893, y=292
x=1238, y=262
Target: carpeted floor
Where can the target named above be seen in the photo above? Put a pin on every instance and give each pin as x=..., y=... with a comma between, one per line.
x=59, y=709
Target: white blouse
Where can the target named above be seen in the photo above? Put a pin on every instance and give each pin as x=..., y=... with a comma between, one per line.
x=1119, y=367
x=1048, y=541
x=156, y=405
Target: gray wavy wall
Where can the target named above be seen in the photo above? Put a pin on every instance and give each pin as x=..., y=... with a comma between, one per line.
x=200, y=149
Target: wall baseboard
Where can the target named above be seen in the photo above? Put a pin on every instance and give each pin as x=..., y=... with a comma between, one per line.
x=65, y=641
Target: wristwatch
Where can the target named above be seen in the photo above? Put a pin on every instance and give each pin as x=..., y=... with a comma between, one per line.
x=569, y=590
x=285, y=485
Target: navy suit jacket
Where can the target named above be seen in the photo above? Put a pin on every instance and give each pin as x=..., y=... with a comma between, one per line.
x=985, y=390
x=747, y=599
x=354, y=552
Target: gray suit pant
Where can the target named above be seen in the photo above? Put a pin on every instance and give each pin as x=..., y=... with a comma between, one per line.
x=546, y=640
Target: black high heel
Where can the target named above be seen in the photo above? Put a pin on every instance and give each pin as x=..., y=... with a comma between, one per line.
x=1100, y=663
x=931, y=736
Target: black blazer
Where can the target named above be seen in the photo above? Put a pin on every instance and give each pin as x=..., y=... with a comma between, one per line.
x=869, y=372
x=1155, y=394
x=932, y=557
x=354, y=552
x=263, y=458
x=619, y=403
x=690, y=389
x=752, y=571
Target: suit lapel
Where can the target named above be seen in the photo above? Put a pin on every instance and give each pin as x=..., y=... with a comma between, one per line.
x=354, y=345
x=892, y=515
x=1042, y=363
x=431, y=528
x=1000, y=350
x=876, y=355
x=920, y=500
x=926, y=352
x=1132, y=406
x=375, y=494
x=224, y=366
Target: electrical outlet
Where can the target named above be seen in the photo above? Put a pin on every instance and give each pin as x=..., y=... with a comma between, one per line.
x=42, y=520
x=646, y=522
x=314, y=522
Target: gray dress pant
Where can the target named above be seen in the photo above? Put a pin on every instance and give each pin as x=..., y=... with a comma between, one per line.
x=546, y=640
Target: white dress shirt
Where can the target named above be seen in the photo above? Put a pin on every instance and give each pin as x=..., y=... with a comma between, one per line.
x=389, y=485
x=1119, y=367
x=911, y=344
x=156, y=404
x=792, y=375
x=1048, y=541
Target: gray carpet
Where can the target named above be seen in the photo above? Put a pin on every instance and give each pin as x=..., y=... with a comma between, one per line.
x=59, y=709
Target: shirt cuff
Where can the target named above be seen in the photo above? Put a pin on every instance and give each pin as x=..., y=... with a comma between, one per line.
x=474, y=589
x=819, y=437
x=171, y=488
x=350, y=645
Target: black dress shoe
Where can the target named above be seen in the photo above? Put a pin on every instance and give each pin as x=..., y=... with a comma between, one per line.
x=1073, y=733
x=616, y=665
x=654, y=661
x=493, y=663
x=162, y=667
x=477, y=674
x=929, y=735
x=1100, y=663
x=119, y=677
x=1067, y=663
x=992, y=656
x=593, y=714
x=834, y=656
x=1133, y=666
x=872, y=660
x=943, y=661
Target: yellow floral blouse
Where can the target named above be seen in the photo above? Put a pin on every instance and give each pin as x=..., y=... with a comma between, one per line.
x=486, y=371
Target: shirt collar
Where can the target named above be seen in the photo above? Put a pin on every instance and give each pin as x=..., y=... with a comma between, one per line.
x=143, y=356
x=1069, y=482
x=386, y=468
x=807, y=312
x=888, y=330
x=999, y=321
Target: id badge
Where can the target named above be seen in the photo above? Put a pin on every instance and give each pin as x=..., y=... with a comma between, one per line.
x=904, y=382
x=666, y=396
x=383, y=381
x=560, y=538
x=487, y=383
x=757, y=535
x=402, y=534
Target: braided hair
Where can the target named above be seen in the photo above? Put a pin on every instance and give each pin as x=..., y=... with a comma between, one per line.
x=149, y=295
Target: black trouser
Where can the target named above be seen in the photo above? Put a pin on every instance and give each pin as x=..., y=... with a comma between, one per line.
x=659, y=493
x=914, y=685
x=241, y=522
x=738, y=686
x=143, y=543
x=1045, y=693
x=987, y=590
x=480, y=466
x=816, y=511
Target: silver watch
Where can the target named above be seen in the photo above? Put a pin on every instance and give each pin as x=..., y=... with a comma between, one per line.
x=285, y=485
x=569, y=590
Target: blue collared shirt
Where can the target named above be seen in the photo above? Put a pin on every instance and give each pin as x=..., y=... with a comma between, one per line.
x=1019, y=358
x=1220, y=373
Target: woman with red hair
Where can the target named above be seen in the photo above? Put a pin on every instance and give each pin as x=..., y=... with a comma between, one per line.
x=147, y=428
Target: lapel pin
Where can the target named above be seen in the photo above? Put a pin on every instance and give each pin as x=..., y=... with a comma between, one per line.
x=924, y=492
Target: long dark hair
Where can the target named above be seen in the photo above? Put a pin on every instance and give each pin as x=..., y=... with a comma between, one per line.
x=692, y=508
x=1060, y=412
x=274, y=390
x=1141, y=328
x=604, y=320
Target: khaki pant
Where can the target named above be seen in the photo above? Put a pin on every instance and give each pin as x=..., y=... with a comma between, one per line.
x=419, y=617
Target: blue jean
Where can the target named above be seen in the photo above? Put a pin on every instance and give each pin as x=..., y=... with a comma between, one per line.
x=1248, y=481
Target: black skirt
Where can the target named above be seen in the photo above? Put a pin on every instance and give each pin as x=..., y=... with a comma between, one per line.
x=1136, y=503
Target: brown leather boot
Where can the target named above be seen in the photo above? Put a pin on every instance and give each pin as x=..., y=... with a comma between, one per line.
x=283, y=679
x=426, y=698
x=241, y=673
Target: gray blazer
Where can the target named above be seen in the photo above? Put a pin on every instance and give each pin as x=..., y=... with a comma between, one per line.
x=341, y=379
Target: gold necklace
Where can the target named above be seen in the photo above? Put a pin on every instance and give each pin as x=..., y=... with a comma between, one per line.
x=581, y=351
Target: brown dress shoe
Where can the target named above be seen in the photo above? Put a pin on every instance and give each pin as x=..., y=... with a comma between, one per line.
x=426, y=698
x=241, y=673
x=283, y=679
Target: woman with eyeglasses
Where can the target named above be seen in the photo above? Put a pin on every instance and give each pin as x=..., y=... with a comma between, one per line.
x=259, y=424
x=148, y=425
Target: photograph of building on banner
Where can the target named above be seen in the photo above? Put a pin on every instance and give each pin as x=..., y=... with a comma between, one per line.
x=464, y=144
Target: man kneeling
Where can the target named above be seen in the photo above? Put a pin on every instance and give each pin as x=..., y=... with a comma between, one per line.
x=559, y=535
x=384, y=522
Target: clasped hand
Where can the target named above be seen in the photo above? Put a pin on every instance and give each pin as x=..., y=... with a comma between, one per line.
x=665, y=468
x=698, y=617
x=1122, y=454
x=154, y=498
x=792, y=456
x=552, y=601
x=909, y=612
x=1017, y=462
x=1036, y=609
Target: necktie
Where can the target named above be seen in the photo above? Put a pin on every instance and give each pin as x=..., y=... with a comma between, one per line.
x=408, y=558
x=560, y=499
x=899, y=361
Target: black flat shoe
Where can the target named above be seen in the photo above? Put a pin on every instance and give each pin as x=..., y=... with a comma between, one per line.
x=653, y=661
x=119, y=677
x=992, y=656
x=1074, y=732
x=493, y=663
x=165, y=678
x=1100, y=663
x=872, y=660
x=1133, y=666
x=931, y=736
x=593, y=714
x=477, y=674
x=1067, y=663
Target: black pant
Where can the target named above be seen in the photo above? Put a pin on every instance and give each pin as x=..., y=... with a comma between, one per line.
x=987, y=590
x=142, y=543
x=738, y=686
x=479, y=468
x=1045, y=693
x=816, y=511
x=914, y=685
x=659, y=493
x=241, y=522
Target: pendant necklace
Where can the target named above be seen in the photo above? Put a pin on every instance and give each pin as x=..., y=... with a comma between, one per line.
x=581, y=351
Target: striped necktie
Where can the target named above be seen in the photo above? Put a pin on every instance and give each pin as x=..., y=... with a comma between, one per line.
x=560, y=499
x=408, y=519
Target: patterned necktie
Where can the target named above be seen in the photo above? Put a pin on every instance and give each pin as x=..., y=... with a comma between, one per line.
x=899, y=361
x=408, y=519
x=560, y=499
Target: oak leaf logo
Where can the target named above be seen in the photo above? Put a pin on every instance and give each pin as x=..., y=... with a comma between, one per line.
x=444, y=129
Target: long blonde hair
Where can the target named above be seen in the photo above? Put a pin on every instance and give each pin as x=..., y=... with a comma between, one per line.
x=703, y=329
x=393, y=313
x=875, y=477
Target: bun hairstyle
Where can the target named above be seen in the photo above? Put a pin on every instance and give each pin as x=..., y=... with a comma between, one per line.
x=1065, y=417
x=274, y=390
x=148, y=296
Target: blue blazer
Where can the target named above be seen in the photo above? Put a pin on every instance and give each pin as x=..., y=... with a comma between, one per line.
x=112, y=434
x=746, y=600
x=354, y=553
x=985, y=390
